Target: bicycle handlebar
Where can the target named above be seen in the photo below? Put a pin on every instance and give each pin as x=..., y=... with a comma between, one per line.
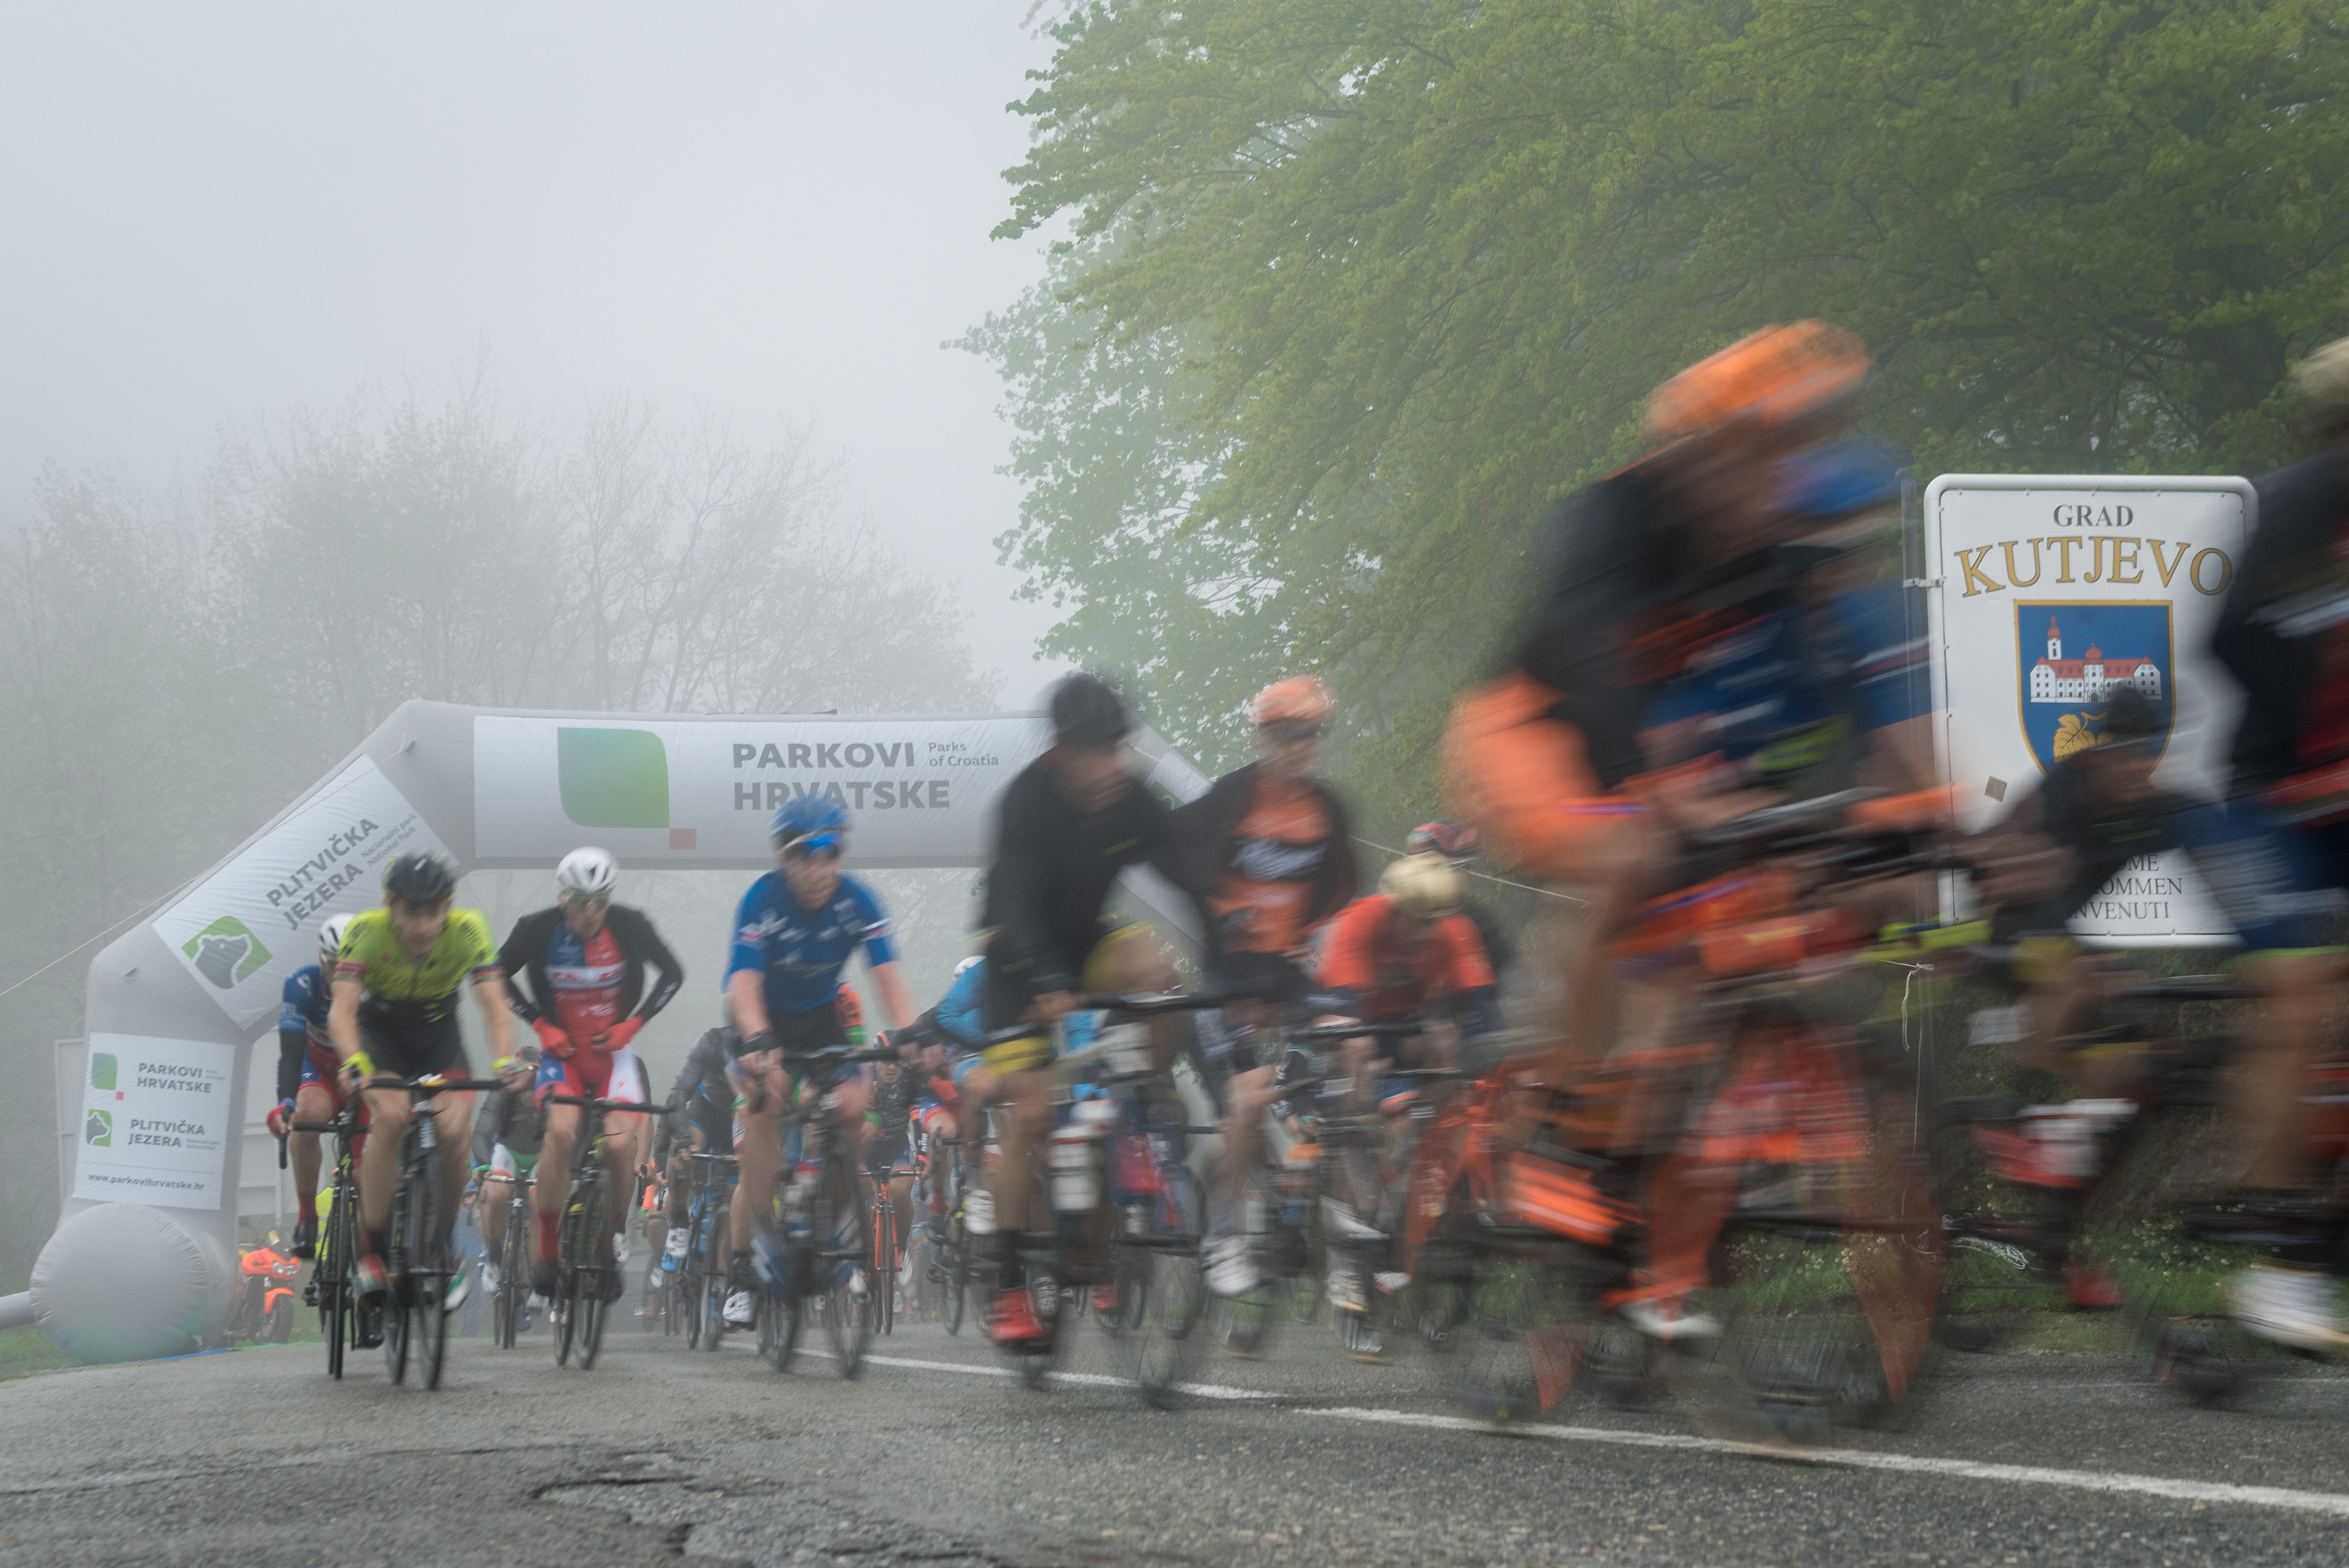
x=589, y=1102
x=1391, y=1031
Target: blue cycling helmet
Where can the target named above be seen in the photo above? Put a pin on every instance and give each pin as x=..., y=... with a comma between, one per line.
x=805, y=819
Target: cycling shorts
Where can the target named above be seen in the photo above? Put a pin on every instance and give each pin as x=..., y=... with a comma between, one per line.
x=2282, y=887
x=715, y=1127
x=1007, y=1003
x=413, y=1043
x=889, y=1153
x=505, y=1163
x=1523, y=776
x=327, y=1075
x=590, y=1074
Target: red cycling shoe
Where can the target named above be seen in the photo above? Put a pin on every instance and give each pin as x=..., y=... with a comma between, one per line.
x=1012, y=1318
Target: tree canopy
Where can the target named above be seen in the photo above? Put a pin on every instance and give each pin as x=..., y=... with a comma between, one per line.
x=1359, y=288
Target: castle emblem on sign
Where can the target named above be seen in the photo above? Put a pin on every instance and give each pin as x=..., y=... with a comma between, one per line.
x=2056, y=678
x=2062, y=701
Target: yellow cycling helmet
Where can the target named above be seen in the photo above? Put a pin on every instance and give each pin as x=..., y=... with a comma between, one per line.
x=1424, y=887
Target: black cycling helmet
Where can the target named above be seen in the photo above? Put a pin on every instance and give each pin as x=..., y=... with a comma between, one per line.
x=2132, y=715
x=1087, y=710
x=421, y=877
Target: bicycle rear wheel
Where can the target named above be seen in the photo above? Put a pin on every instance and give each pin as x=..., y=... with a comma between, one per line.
x=957, y=1283
x=845, y=1263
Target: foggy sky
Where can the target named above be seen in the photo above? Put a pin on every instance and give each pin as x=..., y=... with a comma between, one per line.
x=775, y=212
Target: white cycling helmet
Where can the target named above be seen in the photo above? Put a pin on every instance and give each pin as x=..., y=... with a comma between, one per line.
x=588, y=874
x=964, y=968
x=330, y=939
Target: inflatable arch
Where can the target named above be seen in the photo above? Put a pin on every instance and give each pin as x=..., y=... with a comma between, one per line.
x=143, y=1260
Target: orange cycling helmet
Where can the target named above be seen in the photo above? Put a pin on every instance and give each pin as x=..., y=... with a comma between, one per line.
x=1778, y=375
x=1299, y=699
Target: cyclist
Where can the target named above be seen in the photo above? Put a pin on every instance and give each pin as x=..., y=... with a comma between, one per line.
x=2284, y=634
x=1065, y=827
x=898, y=1087
x=306, y=1086
x=1272, y=853
x=580, y=964
x=1456, y=842
x=397, y=976
x=797, y=928
x=505, y=1150
x=703, y=1124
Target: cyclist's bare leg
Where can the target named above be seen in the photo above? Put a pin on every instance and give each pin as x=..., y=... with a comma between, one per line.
x=622, y=1130
x=388, y=1115
x=453, y=1142
x=311, y=1103
x=2286, y=1034
x=1026, y=1099
x=1245, y=1098
x=2066, y=1001
x=760, y=1152
x=901, y=1198
x=553, y=1173
x=497, y=1195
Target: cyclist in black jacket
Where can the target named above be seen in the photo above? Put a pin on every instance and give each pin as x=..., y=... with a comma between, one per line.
x=1066, y=827
x=703, y=1124
x=2284, y=634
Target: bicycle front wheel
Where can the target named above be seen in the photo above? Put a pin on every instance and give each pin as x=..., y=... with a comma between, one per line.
x=958, y=1286
x=337, y=1310
x=430, y=1281
x=594, y=1286
x=847, y=1271
x=1166, y=1321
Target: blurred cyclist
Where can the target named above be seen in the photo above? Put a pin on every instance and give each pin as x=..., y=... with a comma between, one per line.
x=1066, y=826
x=506, y=1137
x=579, y=973
x=796, y=930
x=1271, y=851
x=1456, y=842
x=309, y=1084
x=2284, y=634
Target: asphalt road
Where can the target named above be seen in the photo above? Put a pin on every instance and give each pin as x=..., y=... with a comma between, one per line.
x=936, y=1457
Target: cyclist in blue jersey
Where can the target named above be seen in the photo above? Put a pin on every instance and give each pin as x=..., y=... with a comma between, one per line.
x=308, y=1076
x=797, y=928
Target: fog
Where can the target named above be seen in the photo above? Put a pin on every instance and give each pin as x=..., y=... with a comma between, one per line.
x=774, y=214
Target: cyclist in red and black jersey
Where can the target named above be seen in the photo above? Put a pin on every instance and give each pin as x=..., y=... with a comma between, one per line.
x=579, y=981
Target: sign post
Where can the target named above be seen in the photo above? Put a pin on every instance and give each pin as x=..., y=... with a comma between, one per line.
x=2049, y=593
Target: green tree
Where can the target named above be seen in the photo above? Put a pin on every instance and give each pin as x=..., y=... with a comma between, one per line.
x=1385, y=279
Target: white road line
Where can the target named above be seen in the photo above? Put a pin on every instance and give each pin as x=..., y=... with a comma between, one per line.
x=1198, y=1390
x=2331, y=1503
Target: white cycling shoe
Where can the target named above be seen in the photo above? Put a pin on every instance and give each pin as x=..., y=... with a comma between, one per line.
x=1669, y=1319
x=741, y=1312
x=2289, y=1306
x=1231, y=1266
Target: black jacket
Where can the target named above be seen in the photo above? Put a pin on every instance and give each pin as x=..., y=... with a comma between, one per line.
x=1052, y=873
x=703, y=1092
x=1210, y=828
x=2272, y=627
x=524, y=956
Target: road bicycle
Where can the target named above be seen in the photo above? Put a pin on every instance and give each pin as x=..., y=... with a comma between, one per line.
x=701, y=1284
x=814, y=1249
x=1128, y=1211
x=417, y=1257
x=588, y=1281
x=344, y=1320
x=510, y=1302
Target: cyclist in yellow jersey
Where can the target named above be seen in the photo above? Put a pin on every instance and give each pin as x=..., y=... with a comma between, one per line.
x=397, y=978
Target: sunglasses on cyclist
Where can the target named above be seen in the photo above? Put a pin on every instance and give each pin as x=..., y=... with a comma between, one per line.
x=586, y=901
x=817, y=846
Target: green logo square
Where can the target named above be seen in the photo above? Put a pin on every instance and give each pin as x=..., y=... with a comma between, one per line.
x=612, y=777
x=101, y=1069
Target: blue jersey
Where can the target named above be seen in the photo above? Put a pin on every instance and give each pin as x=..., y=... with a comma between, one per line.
x=960, y=1013
x=306, y=1003
x=801, y=951
x=1786, y=687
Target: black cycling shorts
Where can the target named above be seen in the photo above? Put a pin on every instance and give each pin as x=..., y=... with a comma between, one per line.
x=800, y=1035
x=412, y=1043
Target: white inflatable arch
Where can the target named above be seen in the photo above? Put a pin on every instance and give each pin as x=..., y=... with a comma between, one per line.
x=144, y=1257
